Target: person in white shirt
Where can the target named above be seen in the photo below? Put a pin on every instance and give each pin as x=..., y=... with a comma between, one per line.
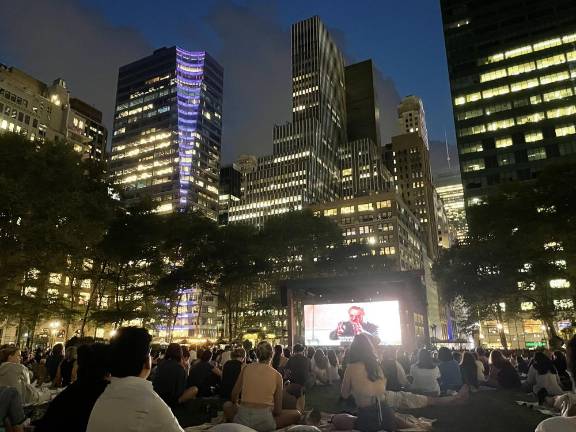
x=130, y=403
x=425, y=375
x=543, y=375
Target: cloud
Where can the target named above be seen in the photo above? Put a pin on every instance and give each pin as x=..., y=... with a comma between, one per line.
x=255, y=54
x=49, y=39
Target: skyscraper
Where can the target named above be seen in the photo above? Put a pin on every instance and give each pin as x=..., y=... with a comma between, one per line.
x=167, y=130
x=512, y=66
x=449, y=187
x=230, y=191
x=408, y=158
x=304, y=167
x=40, y=111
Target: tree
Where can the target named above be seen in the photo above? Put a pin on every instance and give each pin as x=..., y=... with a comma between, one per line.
x=54, y=206
x=515, y=256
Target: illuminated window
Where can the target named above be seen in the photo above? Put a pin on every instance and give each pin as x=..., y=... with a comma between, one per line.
x=330, y=212
x=564, y=304
x=565, y=130
x=559, y=283
x=547, y=44
x=535, y=154
x=562, y=111
x=492, y=59
x=473, y=165
x=470, y=114
x=523, y=85
x=535, y=100
x=365, y=207
x=460, y=100
x=501, y=124
x=347, y=210
x=533, y=136
x=521, y=68
x=486, y=94
x=530, y=118
x=526, y=306
x=555, y=77
x=472, y=130
x=569, y=38
x=518, y=51
x=471, y=147
x=506, y=159
x=558, y=94
x=473, y=97
x=493, y=75
x=346, y=172
x=571, y=56
x=550, y=61
x=499, y=107
x=503, y=142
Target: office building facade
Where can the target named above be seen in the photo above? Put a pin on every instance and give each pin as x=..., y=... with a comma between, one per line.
x=304, y=167
x=41, y=112
x=512, y=67
x=230, y=191
x=167, y=130
x=408, y=158
x=448, y=184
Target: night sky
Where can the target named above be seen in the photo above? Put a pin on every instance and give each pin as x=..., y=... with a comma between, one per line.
x=85, y=41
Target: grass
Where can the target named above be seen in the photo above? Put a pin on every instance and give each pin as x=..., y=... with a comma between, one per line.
x=487, y=411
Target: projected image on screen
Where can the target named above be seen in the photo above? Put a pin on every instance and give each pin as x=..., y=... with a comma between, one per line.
x=337, y=324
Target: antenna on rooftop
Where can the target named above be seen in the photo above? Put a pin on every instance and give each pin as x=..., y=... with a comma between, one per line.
x=447, y=150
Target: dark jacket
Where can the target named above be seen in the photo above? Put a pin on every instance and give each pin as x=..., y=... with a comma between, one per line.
x=169, y=381
x=297, y=369
x=230, y=374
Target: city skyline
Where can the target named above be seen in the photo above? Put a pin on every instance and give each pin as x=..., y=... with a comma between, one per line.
x=121, y=37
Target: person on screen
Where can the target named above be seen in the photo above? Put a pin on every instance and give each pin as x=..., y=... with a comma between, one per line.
x=354, y=326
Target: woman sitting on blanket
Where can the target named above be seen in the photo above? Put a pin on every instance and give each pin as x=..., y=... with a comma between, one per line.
x=365, y=381
x=566, y=403
x=261, y=387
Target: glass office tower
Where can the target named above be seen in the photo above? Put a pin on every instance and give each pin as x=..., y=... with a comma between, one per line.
x=167, y=130
x=512, y=67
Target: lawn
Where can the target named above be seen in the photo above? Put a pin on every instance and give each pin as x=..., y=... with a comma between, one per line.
x=487, y=411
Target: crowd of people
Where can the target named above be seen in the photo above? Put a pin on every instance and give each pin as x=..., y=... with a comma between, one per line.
x=125, y=385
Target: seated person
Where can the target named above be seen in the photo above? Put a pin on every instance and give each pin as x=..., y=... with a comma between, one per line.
x=542, y=375
x=16, y=375
x=231, y=372
x=393, y=371
x=298, y=367
x=450, y=376
x=502, y=373
x=170, y=378
x=261, y=388
x=11, y=412
x=469, y=370
x=129, y=402
x=425, y=375
x=204, y=375
x=71, y=409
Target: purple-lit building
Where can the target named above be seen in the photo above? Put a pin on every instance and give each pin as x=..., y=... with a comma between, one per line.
x=166, y=145
x=167, y=130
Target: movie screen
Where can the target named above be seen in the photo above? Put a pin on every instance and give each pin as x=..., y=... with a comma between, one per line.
x=337, y=324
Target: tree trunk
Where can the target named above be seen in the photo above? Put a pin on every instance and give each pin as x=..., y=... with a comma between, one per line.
x=503, y=340
x=95, y=286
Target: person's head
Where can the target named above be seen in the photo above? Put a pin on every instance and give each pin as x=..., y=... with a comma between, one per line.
x=93, y=362
x=320, y=359
x=298, y=349
x=456, y=355
x=238, y=354
x=332, y=358
x=444, y=354
x=286, y=352
x=264, y=352
x=543, y=364
x=71, y=353
x=497, y=359
x=10, y=354
x=130, y=353
x=174, y=352
x=469, y=369
x=481, y=352
x=560, y=361
x=206, y=356
x=311, y=352
x=277, y=356
x=425, y=359
x=185, y=353
x=278, y=350
x=58, y=349
x=362, y=351
x=356, y=314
